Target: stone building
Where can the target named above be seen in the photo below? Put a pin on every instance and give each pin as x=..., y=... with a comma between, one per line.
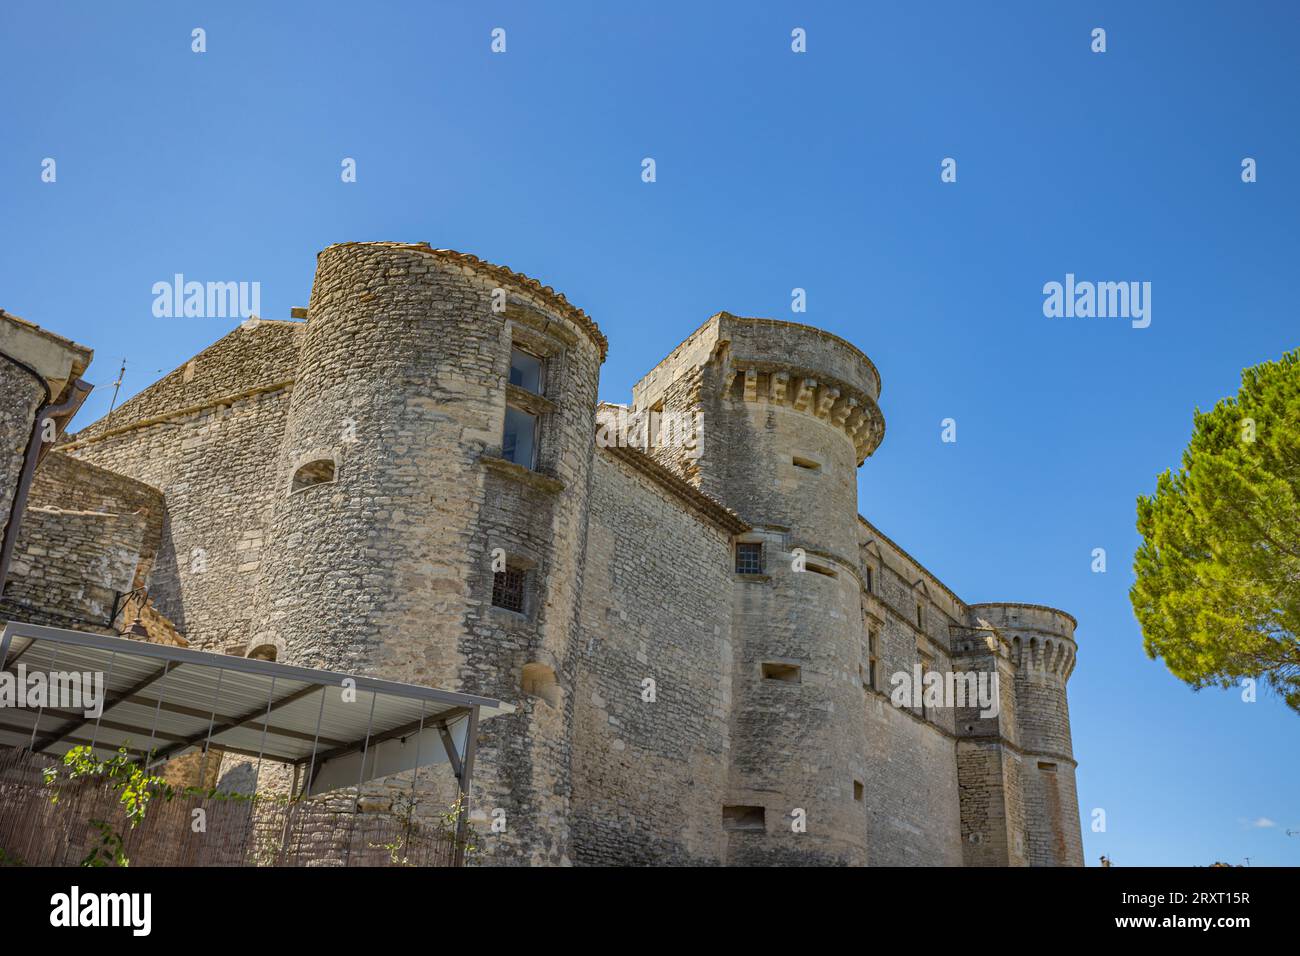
x=700, y=630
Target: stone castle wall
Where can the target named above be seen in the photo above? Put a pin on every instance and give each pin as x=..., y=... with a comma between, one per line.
x=21, y=394
x=69, y=567
x=771, y=737
x=650, y=775
x=207, y=437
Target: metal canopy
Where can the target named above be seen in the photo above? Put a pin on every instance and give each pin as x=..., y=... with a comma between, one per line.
x=161, y=701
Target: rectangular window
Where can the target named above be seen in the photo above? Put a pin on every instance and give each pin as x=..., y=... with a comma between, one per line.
x=858, y=790
x=744, y=818
x=926, y=664
x=870, y=589
x=920, y=620
x=749, y=557
x=782, y=672
x=806, y=463
x=1049, y=767
x=873, y=658
x=654, y=422
x=519, y=444
x=526, y=371
x=508, y=589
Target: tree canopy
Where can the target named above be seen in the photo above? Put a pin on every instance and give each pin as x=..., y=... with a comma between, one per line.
x=1218, y=571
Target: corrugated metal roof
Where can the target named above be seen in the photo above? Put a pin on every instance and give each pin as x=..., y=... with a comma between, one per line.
x=166, y=701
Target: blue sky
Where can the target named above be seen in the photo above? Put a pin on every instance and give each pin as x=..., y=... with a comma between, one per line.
x=775, y=171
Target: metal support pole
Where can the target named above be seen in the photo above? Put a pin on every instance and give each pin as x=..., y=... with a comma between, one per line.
x=311, y=772
x=361, y=776
x=466, y=778
x=207, y=743
x=261, y=748
x=36, y=724
x=108, y=683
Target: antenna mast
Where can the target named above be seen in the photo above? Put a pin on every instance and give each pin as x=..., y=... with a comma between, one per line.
x=116, y=385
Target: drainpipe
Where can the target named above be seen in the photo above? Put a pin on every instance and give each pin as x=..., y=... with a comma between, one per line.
x=78, y=394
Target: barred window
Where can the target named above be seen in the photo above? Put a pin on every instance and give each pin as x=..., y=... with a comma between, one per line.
x=749, y=557
x=508, y=589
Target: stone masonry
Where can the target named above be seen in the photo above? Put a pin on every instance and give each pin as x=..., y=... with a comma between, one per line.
x=704, y=632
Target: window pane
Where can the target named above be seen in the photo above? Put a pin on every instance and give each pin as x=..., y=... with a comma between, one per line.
x=520, y=437
x=526, y=371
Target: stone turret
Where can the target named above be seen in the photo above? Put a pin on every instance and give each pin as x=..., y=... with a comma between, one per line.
x=421, y=375
x=788, y=413
x=1019, y=800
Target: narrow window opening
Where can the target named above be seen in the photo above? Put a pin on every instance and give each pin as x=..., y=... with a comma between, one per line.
x=744, y=818
x=508, y=589
x=749, y=557
x=789, y=673
x=519, y=444
x=858, y=790
x=806, y=463
x=1049, y=767
x=926, y=664
x=870, y=588
x=823, y=570
x=873, y=658
x=317, y=472
x=920, y=618
x=654, y=423
x=526, y=371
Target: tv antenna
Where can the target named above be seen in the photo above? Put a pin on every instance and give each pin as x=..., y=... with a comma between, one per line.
x=116, y=385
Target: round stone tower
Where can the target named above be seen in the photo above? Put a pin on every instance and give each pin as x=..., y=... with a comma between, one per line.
x=1043, y=650
x=788, y=413
x=434, y=463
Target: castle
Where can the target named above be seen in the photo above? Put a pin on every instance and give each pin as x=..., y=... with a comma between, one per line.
x=698, y=628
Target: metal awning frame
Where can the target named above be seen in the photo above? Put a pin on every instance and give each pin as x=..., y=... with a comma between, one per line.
x=448, y=708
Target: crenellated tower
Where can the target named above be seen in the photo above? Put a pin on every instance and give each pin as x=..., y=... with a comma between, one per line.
x=1017, y=770
x=786, y=415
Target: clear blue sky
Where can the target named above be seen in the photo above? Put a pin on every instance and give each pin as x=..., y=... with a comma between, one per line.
x=775, y=170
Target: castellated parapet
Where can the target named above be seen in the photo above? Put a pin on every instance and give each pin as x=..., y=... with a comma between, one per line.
x=1041, y=648
x=701, y=636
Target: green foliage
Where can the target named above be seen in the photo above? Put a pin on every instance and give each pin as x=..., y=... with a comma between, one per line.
x=451, y=820
x=110, y=851
x=1218, y=571
x=448, y=820
x=135, y=789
